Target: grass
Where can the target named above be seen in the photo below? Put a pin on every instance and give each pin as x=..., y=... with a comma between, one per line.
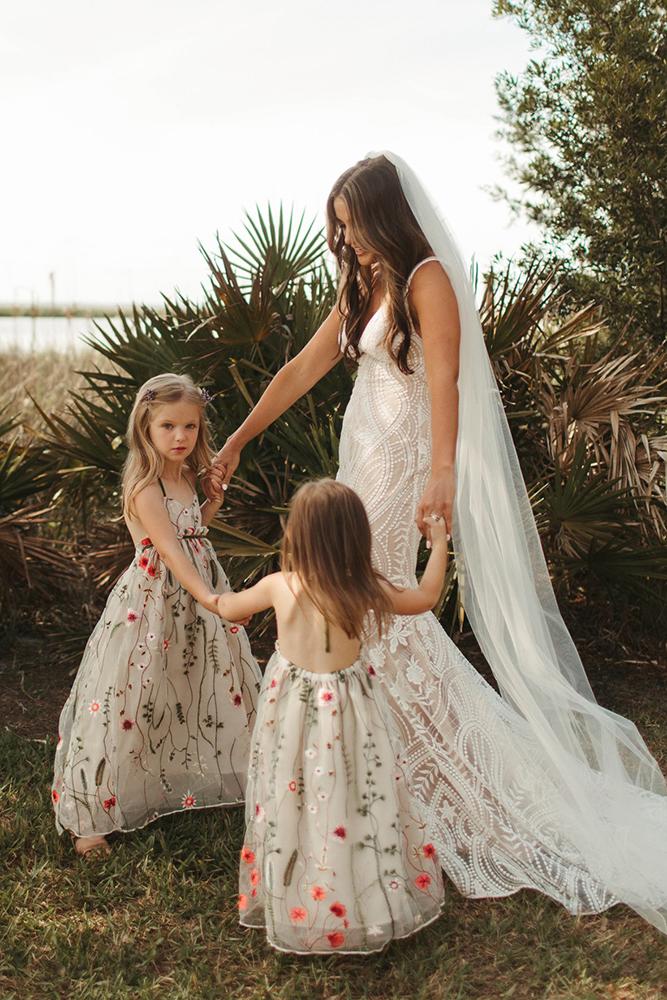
x=46, y=375
x=158, y=917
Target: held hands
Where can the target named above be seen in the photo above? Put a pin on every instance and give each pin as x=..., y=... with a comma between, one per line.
x=213, y=602
x=437, y=527
x=217, y=478
x=438, y=499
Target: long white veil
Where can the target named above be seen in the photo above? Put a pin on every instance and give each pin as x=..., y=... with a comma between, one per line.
x=615, y=792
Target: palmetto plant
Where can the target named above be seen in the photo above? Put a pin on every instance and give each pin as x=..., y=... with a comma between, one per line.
x=582, y=415
x=30, y=559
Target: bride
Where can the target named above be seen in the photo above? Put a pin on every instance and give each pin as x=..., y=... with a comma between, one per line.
x=538, y=787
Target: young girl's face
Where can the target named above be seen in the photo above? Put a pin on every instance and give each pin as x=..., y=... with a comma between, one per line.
x=174, y=428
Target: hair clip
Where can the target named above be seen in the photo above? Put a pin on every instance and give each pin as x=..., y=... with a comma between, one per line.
x=149, y=396
x=206, y=395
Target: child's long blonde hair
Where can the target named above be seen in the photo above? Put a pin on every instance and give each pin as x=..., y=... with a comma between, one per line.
x=144, y=464
x=327, y=543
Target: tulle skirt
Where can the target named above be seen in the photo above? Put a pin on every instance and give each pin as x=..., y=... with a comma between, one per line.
x=335, y=856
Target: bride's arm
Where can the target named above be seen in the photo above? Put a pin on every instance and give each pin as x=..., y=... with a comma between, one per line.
x=292, y=381
x=434, y=303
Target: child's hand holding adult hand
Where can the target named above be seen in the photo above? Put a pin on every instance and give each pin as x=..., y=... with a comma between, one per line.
x=437, y=530
x=226, y=463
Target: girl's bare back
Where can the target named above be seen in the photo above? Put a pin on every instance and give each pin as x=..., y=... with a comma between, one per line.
x=302, y=631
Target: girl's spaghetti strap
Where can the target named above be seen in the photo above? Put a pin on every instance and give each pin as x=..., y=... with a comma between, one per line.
x=164, y=492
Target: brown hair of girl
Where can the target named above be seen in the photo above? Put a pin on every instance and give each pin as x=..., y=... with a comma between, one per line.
x=327, y=543
x=385, y=226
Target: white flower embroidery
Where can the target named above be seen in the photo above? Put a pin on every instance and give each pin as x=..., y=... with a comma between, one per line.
x=397, y=634
x=414, y=673
x=376, y=656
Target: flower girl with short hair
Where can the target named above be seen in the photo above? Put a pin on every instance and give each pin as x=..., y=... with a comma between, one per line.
x=161, y=711
x=336, y=855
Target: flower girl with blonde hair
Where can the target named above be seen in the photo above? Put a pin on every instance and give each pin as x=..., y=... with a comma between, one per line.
x=160, y=715
x=336, y=857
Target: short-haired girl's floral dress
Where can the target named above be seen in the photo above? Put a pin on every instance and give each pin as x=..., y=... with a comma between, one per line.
x=161, y=713
x=336, y=855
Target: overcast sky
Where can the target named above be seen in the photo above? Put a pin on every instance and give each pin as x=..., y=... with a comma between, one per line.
x=133, y=130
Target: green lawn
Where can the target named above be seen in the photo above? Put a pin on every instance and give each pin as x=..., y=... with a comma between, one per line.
x=158, y=919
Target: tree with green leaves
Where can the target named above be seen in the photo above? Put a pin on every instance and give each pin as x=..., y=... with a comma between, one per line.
x=586, y=124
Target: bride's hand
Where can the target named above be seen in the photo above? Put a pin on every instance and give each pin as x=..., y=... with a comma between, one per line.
x=224, y=466
x=438, y=498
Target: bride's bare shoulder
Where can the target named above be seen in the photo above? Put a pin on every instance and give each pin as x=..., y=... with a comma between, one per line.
x=427, y=278
x=431, y=295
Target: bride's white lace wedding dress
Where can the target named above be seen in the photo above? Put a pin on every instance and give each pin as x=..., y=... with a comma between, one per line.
x=498, y=818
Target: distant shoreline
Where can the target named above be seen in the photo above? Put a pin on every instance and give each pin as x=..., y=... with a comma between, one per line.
x=65, y=311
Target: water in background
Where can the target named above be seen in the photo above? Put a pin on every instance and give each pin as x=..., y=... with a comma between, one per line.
x=58, y=333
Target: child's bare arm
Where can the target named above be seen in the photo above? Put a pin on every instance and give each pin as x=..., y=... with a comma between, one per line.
x=425, y=596
x=209, y=509
x=155, y=521
x=244, y=604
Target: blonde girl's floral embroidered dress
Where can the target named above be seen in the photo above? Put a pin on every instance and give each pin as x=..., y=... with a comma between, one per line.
x=336, y=857
x=161, y=712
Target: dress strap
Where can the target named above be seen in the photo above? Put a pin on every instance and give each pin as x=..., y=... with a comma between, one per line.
x=407, y=289
x=416, y=268
x=164, y=492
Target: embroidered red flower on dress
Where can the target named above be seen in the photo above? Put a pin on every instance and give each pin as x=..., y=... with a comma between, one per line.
x=243, y=901
x=234, y=629
x=428, y=850
x=297, y=914
x=151, y=571
x=371, y=670
x=254, y=876
x=247, y=855
x=55, y=796
x=292, y=786
x=423, y=881
x=340, y=832
x=109, y=803
x=188, y=801
x=146, y=541
x=142, y=562
x=165, y=643
x=131, y=615
x=127, y=724
x=338, y=909
x=318, y=892
x=336, y=939
x=236, y=699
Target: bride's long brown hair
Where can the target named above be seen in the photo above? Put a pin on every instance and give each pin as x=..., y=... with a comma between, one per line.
x=385, y=226
x=327, y=544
